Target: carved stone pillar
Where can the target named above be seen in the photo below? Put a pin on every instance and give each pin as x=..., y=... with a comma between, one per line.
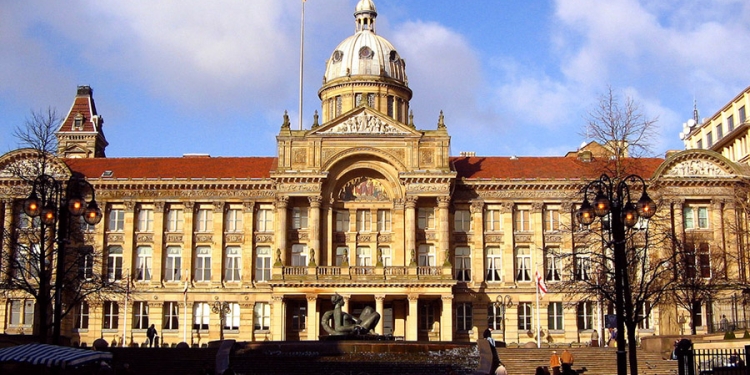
x=278, y=326
x=312, y=317
x=158, y=255
x=446, y=318
x=379, y=298
x=281, y=226
x=443, y=257
x=410, y=228
x=248, y=260
x=128, y=248
x=412, y=321
x=247, y=320
x=315, y=226
x=477, y=251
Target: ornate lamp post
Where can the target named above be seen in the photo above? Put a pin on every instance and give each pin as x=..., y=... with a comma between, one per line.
x=503, y=302
x=221, y=308
x=55, y=204
x=612, y=197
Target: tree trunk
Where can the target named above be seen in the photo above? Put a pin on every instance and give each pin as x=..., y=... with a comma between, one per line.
x=632, y=348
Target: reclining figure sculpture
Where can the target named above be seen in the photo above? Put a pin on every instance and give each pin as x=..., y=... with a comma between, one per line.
x=346, y=324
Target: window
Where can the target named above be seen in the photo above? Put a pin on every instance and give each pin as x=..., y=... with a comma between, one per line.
x=704, y=260
x=173, y=264
x=696, y=217
x=426, y=256
x=21, y=313
x=78, y=122
x=204, y=220
x=492, y=221
x=742, y=114
x=462, y=221
x=371, y=100
x=232, y=319
x=521, y=218
x=523, y=264
x=232, y=263
x=494, y=317
x=171, y=312
x=582, y=271
x=233, y=220
x=699, y=144
x=390, y=106
x=553, y=264
x=464, y=314
x=85, y=227
x=264, y=219
x=263, y=263
x=555, y=316
x=28, y=260
x=552, y=220
x=720, y=130
x=298, y=315
x=698, y=313
x=262, y=316
x=730, y=125
x=426, y=219
x=385, y=256
x=357, y=99
x=585, y=312
x=384, y=220
x=364, y=258
x=342, y=221
x=82, y=316
x=426, y=316
x=86, y=264
x=174, y=219
x=698, y=260
x=116, y=220
x=462, y=263
x=140, y=315
x=494, y=264
x=146, y=220
x=339, y=105
x=642, y=317
x=524, y=316
x=299, y=218
x=364, y=220
x=143, y=263
x=111, y=315
x=342, y=254
x=27, y=222
x=299, y=255
x=709, y=139
x=202, y=263
x=114, y=263
x=201, y=315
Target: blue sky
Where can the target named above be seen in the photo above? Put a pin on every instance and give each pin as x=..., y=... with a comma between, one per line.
x=512, y=77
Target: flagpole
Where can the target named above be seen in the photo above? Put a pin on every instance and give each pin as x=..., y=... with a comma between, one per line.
x=185, y=312
x=125, y=316
x=538, y=319
x=301, y=61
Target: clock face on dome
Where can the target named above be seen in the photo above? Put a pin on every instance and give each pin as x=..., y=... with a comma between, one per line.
x=365, y=53
x=337, y=56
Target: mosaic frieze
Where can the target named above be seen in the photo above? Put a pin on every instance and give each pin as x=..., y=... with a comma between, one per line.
x=363, y=189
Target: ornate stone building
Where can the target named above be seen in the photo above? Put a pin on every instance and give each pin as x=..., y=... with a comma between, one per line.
x=363, y=204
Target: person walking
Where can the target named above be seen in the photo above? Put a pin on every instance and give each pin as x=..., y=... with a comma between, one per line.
x=151, y=334
x=554, y=363
x=567, y=362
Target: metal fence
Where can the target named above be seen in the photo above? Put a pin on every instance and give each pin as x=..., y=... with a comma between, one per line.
x=713, y=361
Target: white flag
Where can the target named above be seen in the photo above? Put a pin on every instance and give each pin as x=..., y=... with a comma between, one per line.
x=540, y=284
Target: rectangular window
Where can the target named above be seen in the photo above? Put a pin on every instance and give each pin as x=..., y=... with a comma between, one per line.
x=522, y=217
x=426, y=218
x=201, y=316
x=233, y=220
x=642, y=317
x=720, y=129
x=426, y=316
x=116, y=222
x=555, y=316
x=582, y=265
x=339, y=106
x=730, y=123
x=695, y=217
x=462, y=221
x=204, y=220
x=299, y=255
x=553, y=264
x=21, y=313
x=111, y=315
x=299, y=218
x=263, y=263
x=174, y=219
x=462, y=263
x=82, y=316
x=357, y=99
x=364, y=221
x=390, y=106
x=492, y=221
x=342, y=253
x=742, y=114
x=384, y=221
x=698, y=313
x=232, y=319
x=464, y=315
x=494, y=317
x=262, y=316
x=364, y=256
x=85, y=227
x=585, y=312
x=298, y=315
x=523, y=264
x=699, y=144
x=27, y=222
x=202, y=263
x=140, y=315
x=146, y=220
x=342, y=221
x=173, y=264
x=264, y=219
x=143, y=263
x=86, y=263
x=114, y=263
x=426, y=256
x=371, y=100
x=494, y=264
x=704, y=259
x=171, y=311
x=385, y=256
x=552, y=220
x=232, y=263
x=524, y=316
x=709, y=139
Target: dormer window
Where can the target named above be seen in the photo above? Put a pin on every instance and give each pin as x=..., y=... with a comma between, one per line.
x=78, y=122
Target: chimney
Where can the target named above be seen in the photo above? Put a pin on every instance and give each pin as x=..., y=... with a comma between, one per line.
x=85, y=91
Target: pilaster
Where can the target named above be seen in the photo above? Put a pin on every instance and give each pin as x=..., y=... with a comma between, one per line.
x=446, y=318
x=281, y=226
x=157, y=247
x=412, y=321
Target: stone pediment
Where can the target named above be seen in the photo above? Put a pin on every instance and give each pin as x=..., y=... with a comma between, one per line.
x=697, y=163
x=364, y=121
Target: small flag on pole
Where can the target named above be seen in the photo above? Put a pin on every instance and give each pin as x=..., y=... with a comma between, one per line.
x=186, y=286
x=540, y=285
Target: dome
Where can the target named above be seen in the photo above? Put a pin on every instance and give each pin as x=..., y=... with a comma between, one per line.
x=365, y=52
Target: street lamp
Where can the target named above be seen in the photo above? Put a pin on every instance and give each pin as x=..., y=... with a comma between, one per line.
x=613, y=197
x=503, y=302
x=221, y=308
x=54, y=204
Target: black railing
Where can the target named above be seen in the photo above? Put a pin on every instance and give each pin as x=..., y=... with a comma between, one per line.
x=736, y=326
x=713, y=361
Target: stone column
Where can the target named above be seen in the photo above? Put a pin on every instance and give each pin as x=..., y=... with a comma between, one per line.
x=157, y=248
x=248, y=258
x=312, y=317
x=187, y=239
x=410, y=229
x=281, y=226
x=536, y=221
x=446, y=318
x=315, y=226
x=278, y=326
x=412, y=321
x=217, y=248
x=443, y=227
x=247, y=321
x=128, y=247
x=186, y=322
x=379, y=298
x=477, y=251
x=156, y=317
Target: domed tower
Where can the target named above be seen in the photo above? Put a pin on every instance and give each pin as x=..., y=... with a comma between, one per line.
x=365, y=70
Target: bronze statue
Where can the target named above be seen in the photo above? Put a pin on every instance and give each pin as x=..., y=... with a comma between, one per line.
x=346, y=324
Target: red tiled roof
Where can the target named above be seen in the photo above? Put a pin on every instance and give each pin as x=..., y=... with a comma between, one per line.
x=544, y=168
x=86, y=107
x=168, y=168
